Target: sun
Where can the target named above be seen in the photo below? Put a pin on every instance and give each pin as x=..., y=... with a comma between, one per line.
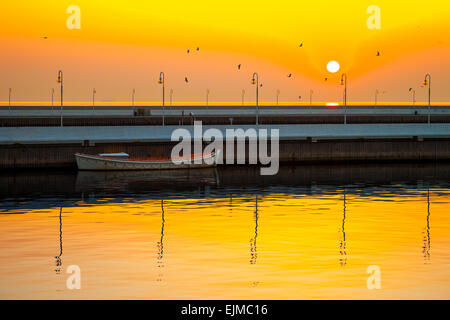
x=333, y=66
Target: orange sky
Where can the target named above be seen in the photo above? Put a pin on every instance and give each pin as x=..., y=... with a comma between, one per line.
x=121, y=46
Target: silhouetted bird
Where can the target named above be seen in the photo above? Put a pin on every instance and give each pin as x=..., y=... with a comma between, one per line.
x=326, y=79
x=186, y=79
x=289, y=75
x=188, y=51
x=45, y=37
x=239, y=66
x=198, y=49
x=301, y=44
x=300, y=97
x=378, y=53
x=410, y=89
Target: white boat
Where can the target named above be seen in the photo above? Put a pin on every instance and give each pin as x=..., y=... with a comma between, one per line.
x=122, y=161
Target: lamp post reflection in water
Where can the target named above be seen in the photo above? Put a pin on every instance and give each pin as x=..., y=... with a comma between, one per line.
x=160, y=243
x=58, y=257
x=253, y=251
x=427, y=239
x=342, y=244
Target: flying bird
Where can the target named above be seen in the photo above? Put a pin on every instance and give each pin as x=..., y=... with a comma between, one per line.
x=378, y=53
x=188, y=51
x=186, y=79
x=301, y=45
x=326, y=79
x=289, y=75
x=239, y=66
x=410, y=89
x=198, y=49
x=45, y=37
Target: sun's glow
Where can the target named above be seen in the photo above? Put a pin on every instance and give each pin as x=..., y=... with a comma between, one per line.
x=333, y=66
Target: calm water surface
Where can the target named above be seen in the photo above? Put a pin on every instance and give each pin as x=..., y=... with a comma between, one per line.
x=309, y=232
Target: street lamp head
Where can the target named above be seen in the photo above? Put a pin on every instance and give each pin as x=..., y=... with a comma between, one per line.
x=59, y=77
x=425, y=82
x=343, y=79
x=254, y=78
x=161, y=78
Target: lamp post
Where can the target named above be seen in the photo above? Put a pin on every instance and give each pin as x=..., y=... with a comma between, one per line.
x=93, y=99
x=413, y=93
x=133, y=93
x=207, y=98
x=9, y=99
x=243, y=95
x=377, y=92
x=53, y=94
x=161, y=81
x=278, y=94
x=344, y=83
x=255, y=80
x=311, y=92
x=171, y=94
x=61, y=82
x=427, y=82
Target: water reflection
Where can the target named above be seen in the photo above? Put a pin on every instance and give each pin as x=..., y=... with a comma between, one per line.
x=321, y=226
x=160, y=244
x=58, y=257
x=342, y=243
x=427, y=238
x=253, y=249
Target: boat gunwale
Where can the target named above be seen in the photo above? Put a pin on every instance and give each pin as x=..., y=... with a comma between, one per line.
x=95, y=157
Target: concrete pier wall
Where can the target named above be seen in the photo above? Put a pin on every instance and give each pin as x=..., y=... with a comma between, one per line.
x=291, y=151
x=39, y=147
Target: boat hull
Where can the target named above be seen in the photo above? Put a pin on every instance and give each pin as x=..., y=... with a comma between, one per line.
x=92, y=162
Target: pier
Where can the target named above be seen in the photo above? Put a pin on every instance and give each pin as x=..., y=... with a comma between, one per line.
x=44, y=147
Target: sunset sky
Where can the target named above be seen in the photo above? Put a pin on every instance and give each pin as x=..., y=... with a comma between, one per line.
x=125, y=44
